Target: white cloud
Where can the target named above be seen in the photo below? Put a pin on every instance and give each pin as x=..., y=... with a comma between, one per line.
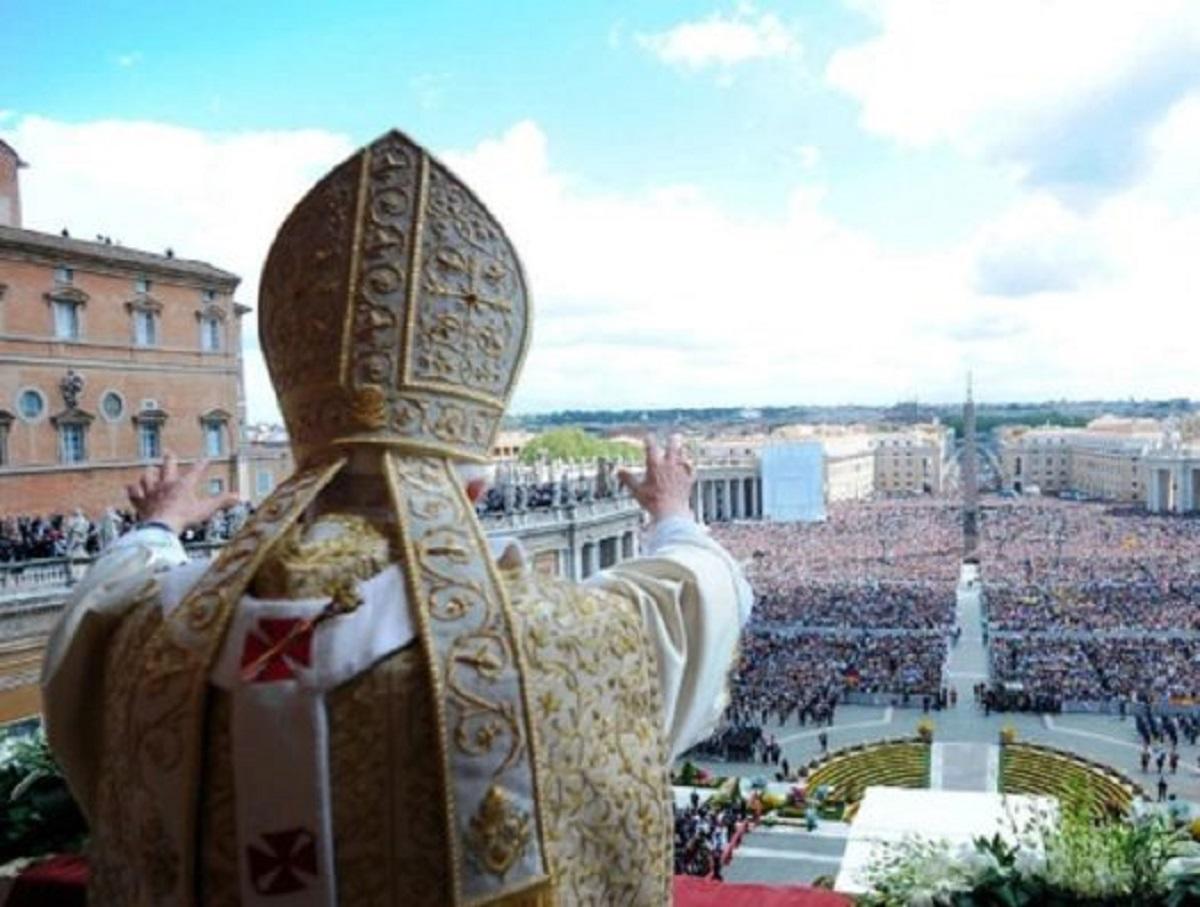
x=665, y=297
x=1063, y=90
x=722, y=40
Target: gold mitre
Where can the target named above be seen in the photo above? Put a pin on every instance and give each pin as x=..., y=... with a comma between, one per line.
x=393, y=310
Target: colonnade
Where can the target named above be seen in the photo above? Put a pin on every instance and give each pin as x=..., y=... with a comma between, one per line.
x=1173, y=485
x=601, y=553
x=717, y=500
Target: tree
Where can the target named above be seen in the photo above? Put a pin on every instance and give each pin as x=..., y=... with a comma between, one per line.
x=576, y=444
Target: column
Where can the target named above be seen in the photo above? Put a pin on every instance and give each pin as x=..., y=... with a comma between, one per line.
x=758, y=496
x=735, y=509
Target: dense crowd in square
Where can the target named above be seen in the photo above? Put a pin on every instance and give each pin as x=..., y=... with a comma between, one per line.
x=1092, y=604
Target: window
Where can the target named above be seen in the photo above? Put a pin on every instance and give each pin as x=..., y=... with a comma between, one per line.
x=72, y=446
x=31, y=404
x=145, y=328
x=215, y=486
x=64, y=275
x=208, y=295
x=210, y=335
x=5, y=422
x=141, y=285
x=112, y=406
x=149, y=440
x=66, y=320
x=263, y=481
x=214, y=439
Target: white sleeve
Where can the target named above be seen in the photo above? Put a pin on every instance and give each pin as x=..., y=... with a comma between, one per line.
x=73, y=667
x=694, y=601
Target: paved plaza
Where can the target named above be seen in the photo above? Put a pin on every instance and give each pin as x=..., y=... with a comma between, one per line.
x=968, y=761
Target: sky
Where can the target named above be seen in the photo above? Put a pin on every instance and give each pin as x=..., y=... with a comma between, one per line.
x=717, y=204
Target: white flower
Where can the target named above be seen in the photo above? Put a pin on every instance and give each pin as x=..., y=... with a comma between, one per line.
x=978, y=862
x=1029, y=862
x=920, y=898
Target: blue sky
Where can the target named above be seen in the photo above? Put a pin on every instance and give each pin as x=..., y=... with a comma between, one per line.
x=889, y=192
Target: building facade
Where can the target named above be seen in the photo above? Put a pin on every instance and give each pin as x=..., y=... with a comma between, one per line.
x=110, y=356
x=912, y=460
x=1112, y=459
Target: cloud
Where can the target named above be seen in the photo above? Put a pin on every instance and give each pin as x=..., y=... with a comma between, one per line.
x=1065, y=92
x=666, y=296
x=721, y=40
x=128, y=60
x=1037, y=246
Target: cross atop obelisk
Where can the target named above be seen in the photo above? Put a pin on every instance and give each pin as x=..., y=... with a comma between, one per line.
x=970, y=478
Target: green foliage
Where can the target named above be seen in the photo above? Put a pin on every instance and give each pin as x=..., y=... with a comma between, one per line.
x=576, y=444
x=37, y=813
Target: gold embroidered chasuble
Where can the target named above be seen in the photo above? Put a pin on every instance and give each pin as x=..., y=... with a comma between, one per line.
x=605, y=802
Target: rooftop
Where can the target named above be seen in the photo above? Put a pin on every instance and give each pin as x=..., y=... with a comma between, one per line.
x=83, y=251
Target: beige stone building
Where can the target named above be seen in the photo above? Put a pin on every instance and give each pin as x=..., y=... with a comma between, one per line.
x=1106, y=460
x=912, y=459
x=859, y=462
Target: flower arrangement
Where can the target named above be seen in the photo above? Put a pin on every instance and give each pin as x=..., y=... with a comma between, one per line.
x=925, y=730
x=1008, y=734
x=1045, y=859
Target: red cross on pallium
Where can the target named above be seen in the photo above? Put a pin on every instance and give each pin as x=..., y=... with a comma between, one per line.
x=287, y=864
x=275, y=648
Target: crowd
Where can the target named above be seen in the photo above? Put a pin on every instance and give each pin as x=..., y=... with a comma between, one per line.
x=887, y=567
x=803, y=675
x=858, y=603
x=910, y=541
x=1101, y=670
x=702, y=832
x=1102, y=603
x=33, y=537
x=1092, y=603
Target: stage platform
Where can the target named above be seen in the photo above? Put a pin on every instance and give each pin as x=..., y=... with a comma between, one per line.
x=891, y=814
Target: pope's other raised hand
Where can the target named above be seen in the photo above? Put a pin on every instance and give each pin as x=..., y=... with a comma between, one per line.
x=665, y=488
x=167, y=495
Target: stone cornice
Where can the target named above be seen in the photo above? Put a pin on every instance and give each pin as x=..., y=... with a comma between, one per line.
x=72, y=416
x=49, y=249
x=144, y=303
x=66, y=293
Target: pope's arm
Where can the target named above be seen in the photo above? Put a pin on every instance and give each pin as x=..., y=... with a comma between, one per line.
x=73, y=668
x=694, y=601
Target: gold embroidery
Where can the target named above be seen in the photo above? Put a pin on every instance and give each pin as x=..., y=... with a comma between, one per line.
x=394, y=309
x=156, y=687
x=499, y=832
x=607, y=806
x=386, y=787
x=479, y=696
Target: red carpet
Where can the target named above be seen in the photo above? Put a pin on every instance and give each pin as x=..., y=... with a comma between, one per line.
x=56, y=882
x=62, y=882
x=693, y=892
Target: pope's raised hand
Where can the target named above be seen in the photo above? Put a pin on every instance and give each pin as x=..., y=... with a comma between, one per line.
x=168, y=495
x=665, y=488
